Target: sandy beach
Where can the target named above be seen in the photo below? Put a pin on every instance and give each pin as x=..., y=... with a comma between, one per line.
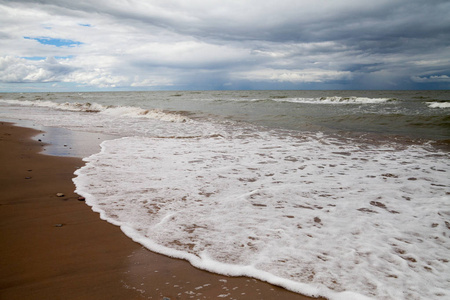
x=58, y=248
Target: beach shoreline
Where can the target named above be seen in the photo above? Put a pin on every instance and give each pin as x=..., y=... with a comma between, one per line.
x=58, y=248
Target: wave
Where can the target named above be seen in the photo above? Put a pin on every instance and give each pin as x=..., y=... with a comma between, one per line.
x=335, y=100
x=112, y=110
x=438, y=104
x=311, y=100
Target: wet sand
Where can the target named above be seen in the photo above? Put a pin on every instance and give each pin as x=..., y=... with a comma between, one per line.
x=58, y=248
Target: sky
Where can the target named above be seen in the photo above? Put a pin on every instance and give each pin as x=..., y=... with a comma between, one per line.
x=108, y=45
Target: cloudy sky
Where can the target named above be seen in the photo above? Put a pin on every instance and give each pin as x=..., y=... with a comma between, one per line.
x=67, y=45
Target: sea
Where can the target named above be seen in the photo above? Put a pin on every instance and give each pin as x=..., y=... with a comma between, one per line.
x=340, y=194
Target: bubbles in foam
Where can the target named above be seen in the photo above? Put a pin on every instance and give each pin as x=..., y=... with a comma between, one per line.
x=315, y=214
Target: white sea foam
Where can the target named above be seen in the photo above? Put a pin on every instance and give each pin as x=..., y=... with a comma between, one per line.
x=315, y=215
x=335, y=100
x=438, y=104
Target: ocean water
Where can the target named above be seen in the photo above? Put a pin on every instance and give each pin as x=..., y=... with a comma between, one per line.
x=343, y=194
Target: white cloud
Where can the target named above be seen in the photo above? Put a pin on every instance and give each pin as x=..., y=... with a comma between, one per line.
x=294, y=76
x=16, y=70
x=152, y=81
x=13, y=69
x=434, y=78
x=96, y=77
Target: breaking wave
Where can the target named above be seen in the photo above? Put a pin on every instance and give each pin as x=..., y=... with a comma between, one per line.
x=438, y=104
x=111, y=110
x=335, y=100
